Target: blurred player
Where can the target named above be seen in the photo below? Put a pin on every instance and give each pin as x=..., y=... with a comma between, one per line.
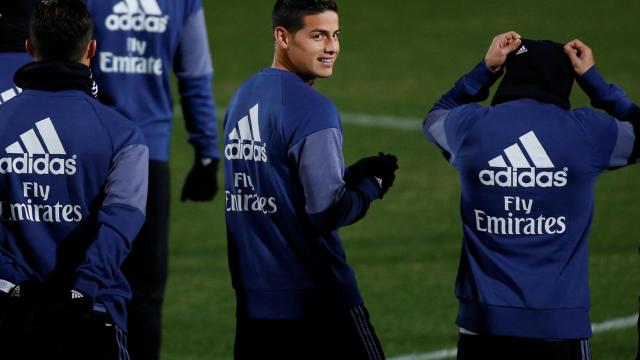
x=139, y=43
x=528, y=166
x=286, y=195
x=14, y=32
x=69, y=208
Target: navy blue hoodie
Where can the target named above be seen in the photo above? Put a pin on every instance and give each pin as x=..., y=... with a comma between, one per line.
x=528, y=171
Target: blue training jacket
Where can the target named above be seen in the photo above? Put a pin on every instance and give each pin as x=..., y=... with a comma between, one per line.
x=528, y=171
x=9, y=63
x=73, y=188
x=139, y=43
x=285, y=198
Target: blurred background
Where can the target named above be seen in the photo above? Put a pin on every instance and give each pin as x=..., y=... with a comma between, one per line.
x=397, y=58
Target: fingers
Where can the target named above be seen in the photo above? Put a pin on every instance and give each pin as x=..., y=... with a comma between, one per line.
x=581, y=56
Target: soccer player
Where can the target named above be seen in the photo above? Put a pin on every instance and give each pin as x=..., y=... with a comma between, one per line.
x=528, y=166
x=139, y=43
x=69, y=207
x=14, y=31
x=286, y=195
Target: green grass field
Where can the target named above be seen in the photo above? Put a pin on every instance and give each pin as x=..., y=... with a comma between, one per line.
x=397, y=58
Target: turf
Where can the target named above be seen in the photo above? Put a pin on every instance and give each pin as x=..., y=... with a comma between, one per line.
x=397, y=58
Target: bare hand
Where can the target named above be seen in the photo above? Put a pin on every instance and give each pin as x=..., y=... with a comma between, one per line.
x=580, y=55
x=501, y=46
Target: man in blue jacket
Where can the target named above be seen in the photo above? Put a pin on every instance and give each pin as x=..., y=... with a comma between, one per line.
x=14, y=32
x=69, y=208
x=286, y=196
x=139, y=43
x=528, y=166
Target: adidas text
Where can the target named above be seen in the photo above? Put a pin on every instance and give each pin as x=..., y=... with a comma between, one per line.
x=41, y=165
x=137, y=22
x=511, y=177
x=245, y=150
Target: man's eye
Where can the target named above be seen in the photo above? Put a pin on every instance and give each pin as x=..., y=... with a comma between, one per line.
x=317, y=36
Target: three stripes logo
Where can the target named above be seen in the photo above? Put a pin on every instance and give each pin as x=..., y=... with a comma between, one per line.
x=38, y=151
x=245, y=141
x=522, y=50
x=521, y=166
x=137, y=15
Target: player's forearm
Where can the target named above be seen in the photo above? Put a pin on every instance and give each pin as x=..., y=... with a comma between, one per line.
x=119, y=225
x=470, y=88
x=351, y=206
x=608, y=97
x=199, y=110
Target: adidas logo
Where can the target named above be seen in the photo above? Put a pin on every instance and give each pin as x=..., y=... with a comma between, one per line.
x=35, y=159
x=245, y=140
x=522, y=50
x=137, y=15
x=9, y=94
x=531, y=156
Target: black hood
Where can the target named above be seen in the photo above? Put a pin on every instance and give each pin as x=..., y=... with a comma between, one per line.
x=538, y=70
x=14, y=23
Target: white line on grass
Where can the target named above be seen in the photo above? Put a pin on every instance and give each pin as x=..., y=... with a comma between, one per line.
x=366, y=120
x=619, y=323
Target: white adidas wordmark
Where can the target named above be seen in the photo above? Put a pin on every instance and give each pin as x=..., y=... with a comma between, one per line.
x=532, y=157
x=33, y=145
x=522, y=50
x=245, y=141
x=39, y=151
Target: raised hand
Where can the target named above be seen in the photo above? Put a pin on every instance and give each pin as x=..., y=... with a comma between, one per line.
x=581, y=56
x=501, y=46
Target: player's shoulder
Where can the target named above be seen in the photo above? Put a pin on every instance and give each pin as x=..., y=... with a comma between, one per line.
x=119, y=127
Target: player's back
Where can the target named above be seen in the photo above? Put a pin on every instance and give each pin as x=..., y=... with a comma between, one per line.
x=274, y=250
x=58, y=153
x=528, y=171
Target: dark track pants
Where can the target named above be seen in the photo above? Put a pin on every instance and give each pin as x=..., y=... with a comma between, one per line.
x=481, y=347
x=146, y=269
x=346, y=335
x=27, y=337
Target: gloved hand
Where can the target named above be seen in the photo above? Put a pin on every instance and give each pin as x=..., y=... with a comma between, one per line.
x=202, y=182
x=67, y=309
x=382, y=167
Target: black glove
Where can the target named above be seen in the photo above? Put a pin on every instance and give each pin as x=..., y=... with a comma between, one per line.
x=202, y=182
x=66, y=309
x=382, y=167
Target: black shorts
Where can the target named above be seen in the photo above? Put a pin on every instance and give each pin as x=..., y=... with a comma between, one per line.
x=482, y=347
x=344, y=335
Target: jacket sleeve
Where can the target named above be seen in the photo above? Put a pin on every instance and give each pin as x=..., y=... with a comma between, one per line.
x=194, y=70
x=623, y=119
x=448, y=119
x=120, y=218
x=329, y=202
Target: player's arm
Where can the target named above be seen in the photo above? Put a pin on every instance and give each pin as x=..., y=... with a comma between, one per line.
x=194, y=70
x=120, y=217
x=445, y=123
x=604, y=96
x=330, y=202
x=624, y=119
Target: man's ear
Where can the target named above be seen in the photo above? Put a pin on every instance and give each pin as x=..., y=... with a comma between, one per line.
x=29, y=46
x=281, y=36
x=91, y=49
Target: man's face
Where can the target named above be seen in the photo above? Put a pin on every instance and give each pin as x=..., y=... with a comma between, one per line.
x=314, y=49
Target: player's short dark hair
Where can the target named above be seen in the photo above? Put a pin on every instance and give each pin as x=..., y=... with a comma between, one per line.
x=290, y=13
x=61, y=29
